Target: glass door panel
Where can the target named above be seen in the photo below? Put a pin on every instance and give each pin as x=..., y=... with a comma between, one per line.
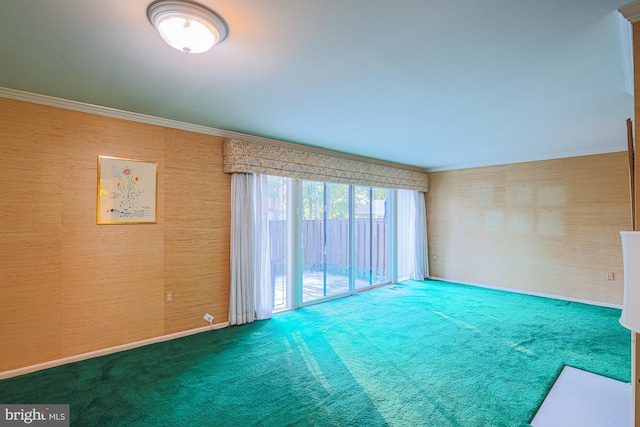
x=362, y=216
x=379, y=237
x=337, y=241
x=372, y=236
x=312, y=236
x=279, y=224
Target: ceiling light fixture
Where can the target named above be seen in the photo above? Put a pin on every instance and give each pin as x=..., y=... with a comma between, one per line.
x=186, y=25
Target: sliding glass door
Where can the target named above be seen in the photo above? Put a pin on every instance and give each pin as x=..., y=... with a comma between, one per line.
x=312, y=241
x=280, y=230
x=336, y=243
x=380, y=232
x=324, y=240
x=371, y=236
x=362, y=255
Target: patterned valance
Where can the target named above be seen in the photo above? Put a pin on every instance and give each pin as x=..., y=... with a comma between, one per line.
x=292, y=162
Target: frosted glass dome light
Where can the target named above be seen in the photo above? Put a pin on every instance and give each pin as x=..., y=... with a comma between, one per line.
x=187, y=26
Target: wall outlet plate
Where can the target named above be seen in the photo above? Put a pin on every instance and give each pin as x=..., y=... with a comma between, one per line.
x=208, y=318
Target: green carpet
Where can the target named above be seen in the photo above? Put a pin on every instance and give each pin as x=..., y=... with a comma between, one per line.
x=414, y=354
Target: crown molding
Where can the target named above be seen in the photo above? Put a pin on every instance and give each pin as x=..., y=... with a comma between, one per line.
x=631, y=11
x=111, y=112
x=51, y=101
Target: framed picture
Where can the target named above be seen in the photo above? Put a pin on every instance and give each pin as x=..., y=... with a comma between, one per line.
x=127, y=191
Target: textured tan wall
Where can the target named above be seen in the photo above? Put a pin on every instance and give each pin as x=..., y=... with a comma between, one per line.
x=70, y=286
x=549, y=226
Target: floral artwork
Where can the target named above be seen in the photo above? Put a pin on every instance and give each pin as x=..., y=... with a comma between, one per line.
x=127, y=191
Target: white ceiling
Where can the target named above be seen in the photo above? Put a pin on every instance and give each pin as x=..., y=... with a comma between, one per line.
x=438, y=84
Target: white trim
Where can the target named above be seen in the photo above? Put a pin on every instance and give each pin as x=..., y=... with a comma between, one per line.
x=537, y=294
x=631, y=11
x=626, y=45
x=51, y=101
x=105, y=351
x=109, y=112
x=344, y=294
x=537, y=158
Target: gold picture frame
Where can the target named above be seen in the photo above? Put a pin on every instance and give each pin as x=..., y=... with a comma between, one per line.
x=127, y=191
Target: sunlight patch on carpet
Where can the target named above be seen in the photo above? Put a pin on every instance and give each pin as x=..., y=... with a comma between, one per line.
x=457, y=322
x=518, y=347
x=310, y=361
x=390, y=389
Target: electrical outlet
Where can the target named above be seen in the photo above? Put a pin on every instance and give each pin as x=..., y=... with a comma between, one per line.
x=208, y=318
x=169, y=296
x=611, y=276
x=435, y=257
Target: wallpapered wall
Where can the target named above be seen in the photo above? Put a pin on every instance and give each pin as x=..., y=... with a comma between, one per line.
x=70, y=286
x=549, y=226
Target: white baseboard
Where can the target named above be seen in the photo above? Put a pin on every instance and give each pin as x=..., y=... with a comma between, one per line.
x=523, y=291
x=105, y=351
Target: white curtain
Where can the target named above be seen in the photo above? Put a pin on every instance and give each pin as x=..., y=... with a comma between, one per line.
x=420, y=256
x=262, y=249
x=251, y=296
x=404, y=215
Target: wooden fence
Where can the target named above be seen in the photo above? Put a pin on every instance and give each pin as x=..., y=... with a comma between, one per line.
x=368, y=234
